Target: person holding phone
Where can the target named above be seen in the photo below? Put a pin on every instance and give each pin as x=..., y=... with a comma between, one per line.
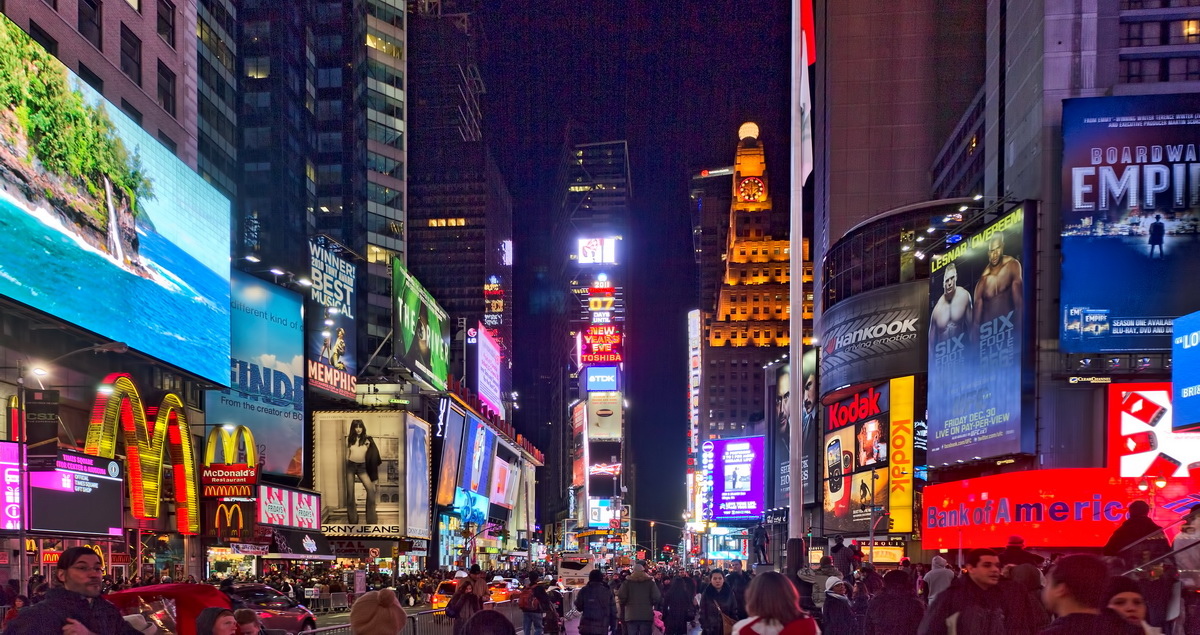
x=362, y=465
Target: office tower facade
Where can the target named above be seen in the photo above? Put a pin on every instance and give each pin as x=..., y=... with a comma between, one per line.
x=460, y=209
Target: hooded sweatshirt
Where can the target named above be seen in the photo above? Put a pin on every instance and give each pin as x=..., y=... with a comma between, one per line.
x=638, y=595
x=208, y=619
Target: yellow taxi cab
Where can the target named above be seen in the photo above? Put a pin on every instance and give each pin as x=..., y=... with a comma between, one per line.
x=443, y=593
x=501, y=590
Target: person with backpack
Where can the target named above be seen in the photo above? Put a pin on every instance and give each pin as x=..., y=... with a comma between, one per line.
x=552, y=619
x=597, y=607
x=774, y=608
x=638, y=597
x=532, y=607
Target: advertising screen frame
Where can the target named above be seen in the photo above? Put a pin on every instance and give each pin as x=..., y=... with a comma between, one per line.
x=1112, y=146
x=980, y=407
x=602, y=344
x=488, y=373
x=1142, y=441
x=596, y=378
x=267, y=372
x=454, y=427
x=332, y=345
x=46, y=495
x=596, y=251
x=140, y=239
x=605, y=416
x=1185, y=372
x=421, y=340
x=417, y=451
x=875, y=336
x=386, y=429
x=734, y=499
x=864, y=415
x=479, y=448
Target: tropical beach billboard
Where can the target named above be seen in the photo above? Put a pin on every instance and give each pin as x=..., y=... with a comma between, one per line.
x=101, y=225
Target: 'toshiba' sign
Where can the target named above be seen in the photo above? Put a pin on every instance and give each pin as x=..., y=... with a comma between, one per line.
x=146, y=433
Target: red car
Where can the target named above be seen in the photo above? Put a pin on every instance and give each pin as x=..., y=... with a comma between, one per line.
x=275, y=610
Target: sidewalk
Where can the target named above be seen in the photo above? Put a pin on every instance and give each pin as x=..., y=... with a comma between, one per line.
x=572, y=628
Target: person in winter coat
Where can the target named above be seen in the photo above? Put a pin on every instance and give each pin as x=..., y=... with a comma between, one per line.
x=1124, y=597
x=774, y=608
x=679, y=606
x=597, y=607
x=896, y=609
x=638, y=597
x=838, y=617
x=73, y=606
x=216, y=620
x=1026, y=616
x=974, y=602
x=1139, y=539
x=468, y=598
x=1074, y=593
x=717, y=604
x=552, y=620
x=939, y=578
x=738, y=581
x=843, y=557
x=825, y=571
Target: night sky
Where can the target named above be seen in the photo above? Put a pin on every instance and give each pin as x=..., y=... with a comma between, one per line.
x=675, y=78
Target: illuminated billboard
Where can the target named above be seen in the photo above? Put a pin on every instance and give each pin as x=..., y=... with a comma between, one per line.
x=487, y=371
x=875, y=335
x=601, y=512
x=332, y=345
x=605, y=416
x=288, y=508
x=1130, y=220
x=78, y=481
x=579, y=443
x=978, y=315
x=502, y=490
x=600, y=378
x=359, y=466
x=601, y=344
x=596, y=251
x=1185, y=372
x=452, y=423
x=1048, y=508
x=421, y=338
x=266, y=393
x=479, y=446
x=104, y=227
x=738, y=478
x=1142, y=442
x=418, y=517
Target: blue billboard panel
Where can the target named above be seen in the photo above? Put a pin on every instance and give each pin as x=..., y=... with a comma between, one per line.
x=738, y=478
x=977, y=323
x=266, y=373
x=1130, y=220
x=600, y=378
x=101, y=225
x=1185, y=372
x=480, y=445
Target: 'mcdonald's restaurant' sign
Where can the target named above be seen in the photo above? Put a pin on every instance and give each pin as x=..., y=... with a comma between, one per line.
x=149, y=435
x=233, y=478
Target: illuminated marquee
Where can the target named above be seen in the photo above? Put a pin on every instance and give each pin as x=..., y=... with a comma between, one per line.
x=602, y=344
x=118, y=414
x=233, y=478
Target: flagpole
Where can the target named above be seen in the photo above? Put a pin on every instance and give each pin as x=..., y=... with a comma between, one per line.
x=801, y=166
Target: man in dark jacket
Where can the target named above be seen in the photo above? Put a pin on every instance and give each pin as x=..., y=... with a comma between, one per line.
x=596, y=606
x=1014, y=553
x=975, y=601
x=738, y=581
x=638, y=597
x=895, y=610
x=1074, y=593
x=73, y=606
x=843, y=557
x=1139, y=539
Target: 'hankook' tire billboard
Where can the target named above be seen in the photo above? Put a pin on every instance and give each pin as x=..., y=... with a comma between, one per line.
x=875, y=336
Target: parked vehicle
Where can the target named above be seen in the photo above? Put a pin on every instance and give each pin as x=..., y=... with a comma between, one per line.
x=275, y=610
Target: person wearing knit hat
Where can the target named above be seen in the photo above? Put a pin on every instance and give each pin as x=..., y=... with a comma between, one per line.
x=216, y=620
x=377, y=613
x=1124, y=596
x=839, y=616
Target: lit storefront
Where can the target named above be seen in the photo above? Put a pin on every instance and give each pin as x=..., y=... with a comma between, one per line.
x=234, y=560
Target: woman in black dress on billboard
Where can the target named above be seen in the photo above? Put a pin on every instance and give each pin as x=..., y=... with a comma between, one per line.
x=362, y=464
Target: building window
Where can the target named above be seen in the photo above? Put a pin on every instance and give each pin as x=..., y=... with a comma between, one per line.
x=134, y=113
x=131, y=55
x=43, y=38
x=89, y=22
x=1184, y=31
x=166, y=88
x=91, y=78
x=166, y=21
x=136, y=4
x=258, y=67
x=1140, y=71
x=167, y=141
x=1184, y=69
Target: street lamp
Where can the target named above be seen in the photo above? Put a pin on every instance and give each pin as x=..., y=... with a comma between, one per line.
x=653, y=543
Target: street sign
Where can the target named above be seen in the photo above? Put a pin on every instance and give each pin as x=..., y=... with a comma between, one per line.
x=615, y=523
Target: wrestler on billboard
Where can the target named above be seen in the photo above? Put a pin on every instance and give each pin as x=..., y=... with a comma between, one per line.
x=953, y=313
x=1000, y=289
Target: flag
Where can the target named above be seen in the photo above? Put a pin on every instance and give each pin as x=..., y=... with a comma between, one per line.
x=806, y=51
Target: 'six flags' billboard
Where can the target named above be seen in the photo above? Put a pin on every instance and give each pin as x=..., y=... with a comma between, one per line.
x=1130, y=220
x=977, y=325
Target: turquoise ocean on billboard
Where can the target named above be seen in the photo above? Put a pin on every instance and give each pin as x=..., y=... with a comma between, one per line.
x=159, y=279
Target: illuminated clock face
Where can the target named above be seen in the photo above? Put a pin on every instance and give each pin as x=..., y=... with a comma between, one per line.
x=752, y=189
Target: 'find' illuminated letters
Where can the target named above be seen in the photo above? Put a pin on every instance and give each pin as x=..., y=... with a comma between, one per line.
x=119, y=414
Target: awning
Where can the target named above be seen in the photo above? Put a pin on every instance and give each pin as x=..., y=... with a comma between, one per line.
x=291, y=544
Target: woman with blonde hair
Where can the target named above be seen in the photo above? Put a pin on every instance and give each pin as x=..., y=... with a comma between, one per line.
x=774, y=608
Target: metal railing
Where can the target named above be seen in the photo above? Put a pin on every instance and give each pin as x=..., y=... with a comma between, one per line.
x=435, y=622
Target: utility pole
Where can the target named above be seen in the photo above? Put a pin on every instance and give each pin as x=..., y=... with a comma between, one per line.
x=653, y=544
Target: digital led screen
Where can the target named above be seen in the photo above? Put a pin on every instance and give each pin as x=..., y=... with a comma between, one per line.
x=478, y=449
x=470, y=507
x=977, y=327
x=601, y=512
x=738, y=478
x=104, y=227
x=1130, y=220
x=78, y=481
x=266, y=373
x=360, y=468
x=418, y=517
x=875, y=336
x=12, y=509
x=487, y=371
x=600, y=378
x=579, y=460
x=1142, y=441
x=1185, y=372
x=452, y=422
x=855, y=458
x=504, y=484
x=332, y=365
x=601, y=344
x=422, y=330
x=1048, y=508
x=605, y=416
x=597, y=251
